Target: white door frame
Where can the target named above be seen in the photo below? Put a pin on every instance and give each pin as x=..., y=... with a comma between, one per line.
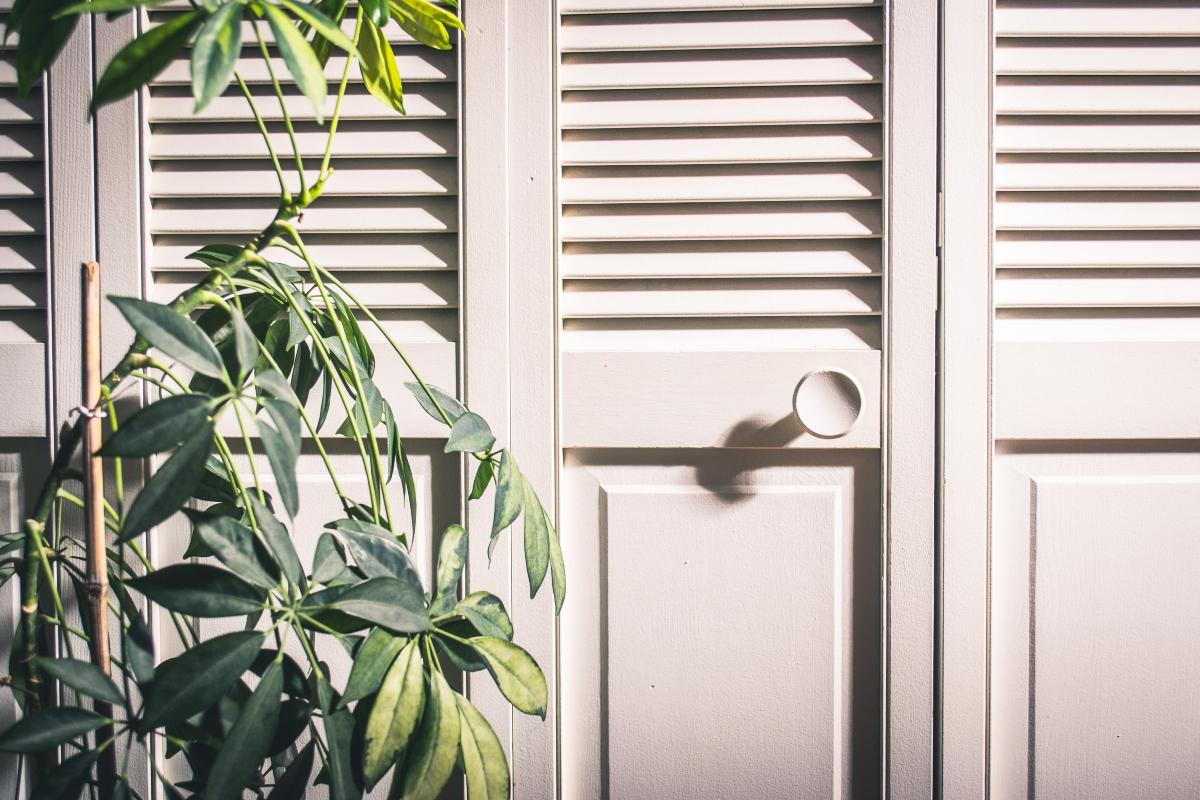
x=965, y=419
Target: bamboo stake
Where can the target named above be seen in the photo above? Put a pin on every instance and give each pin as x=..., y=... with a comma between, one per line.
x=97, y=556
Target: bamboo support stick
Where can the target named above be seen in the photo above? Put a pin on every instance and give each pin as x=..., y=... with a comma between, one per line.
x=97, y=557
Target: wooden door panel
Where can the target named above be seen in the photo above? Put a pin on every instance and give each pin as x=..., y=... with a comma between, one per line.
x=1095, y=609
x=721, y=638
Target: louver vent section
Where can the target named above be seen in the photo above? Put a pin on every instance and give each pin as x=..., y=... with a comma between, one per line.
x=721, y=174
x=387, y=222
x=1097, y=169
x=22, y=252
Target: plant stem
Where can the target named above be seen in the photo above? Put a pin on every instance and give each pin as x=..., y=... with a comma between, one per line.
x=287, y=117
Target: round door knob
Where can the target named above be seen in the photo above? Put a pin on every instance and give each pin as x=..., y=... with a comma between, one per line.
x=828, y=402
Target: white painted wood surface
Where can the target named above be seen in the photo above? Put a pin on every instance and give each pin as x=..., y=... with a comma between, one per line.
x=1068, y=663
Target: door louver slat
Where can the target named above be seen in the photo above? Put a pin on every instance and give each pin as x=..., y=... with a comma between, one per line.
x=388, y=221
x=721, y=168
x=1097, y=170
x=23, y=258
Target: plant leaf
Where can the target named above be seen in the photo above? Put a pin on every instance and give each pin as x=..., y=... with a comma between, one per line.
x=425, y=30
x=245, y=343
x=371, y=663
x=248, y=741
x=452, y=558
x=48, y=728
x=322, y=24
x=376, y=551
x=425, y=8
x=339, y=732
x=300, y=59
x=390, y=602
x=516, y=673
x=487, y=614
x=281, y=441
x=82, y=676
x=159, y=426
x=168, y=330
x=470, y=434
x=107, y=6
x=142, y=59
x=42, y=37
x=510, y=494
x=395, y=713
x=278, y=542
x=171, y=486
x=435, y=745
x=237, y=548
x=483, y=476
x=199, y=590
x=328, y=562
x=377, y=64
x=214, y=53
x=448, y=402
x=197, y=679
x=537, y=540
x=294, y=782
x=66, y=780
x=558, y=568
x=483, y=758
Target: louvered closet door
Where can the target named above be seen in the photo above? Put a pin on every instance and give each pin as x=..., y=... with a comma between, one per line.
x=386, y=224
x=721, y=238
x=1096, y=495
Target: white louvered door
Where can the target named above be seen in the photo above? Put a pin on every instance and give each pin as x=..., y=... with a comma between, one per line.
x=1091, y=673
x=723, y=203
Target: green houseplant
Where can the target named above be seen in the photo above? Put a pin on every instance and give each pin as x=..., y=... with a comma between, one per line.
x=260, y=347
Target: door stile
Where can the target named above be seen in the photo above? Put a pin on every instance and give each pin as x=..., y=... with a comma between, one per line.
x=908, y=418
x=965, y=425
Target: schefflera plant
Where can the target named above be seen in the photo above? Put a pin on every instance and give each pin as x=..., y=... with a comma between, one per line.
x=263, y=350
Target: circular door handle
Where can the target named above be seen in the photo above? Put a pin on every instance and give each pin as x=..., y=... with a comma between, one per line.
x=828, y=402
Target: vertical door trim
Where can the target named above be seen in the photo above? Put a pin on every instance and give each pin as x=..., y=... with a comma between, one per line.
x=909, y=417
x=510, y=288
x=965, y=397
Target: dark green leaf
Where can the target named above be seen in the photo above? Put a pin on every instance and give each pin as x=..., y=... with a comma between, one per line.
x=171, y=486
x=282, y=444
x=470, y=434
x=377, y=11
x=519, y=677
x=328, y=562
x=452, y=557
x=322, y=24
x=66, y=780
x=376, y=551
x=378, y=66
x=216, y=255
x=159, y=426
x=446, y=401
x=168, y=330
x=483, y=476
x=483, y=760
x=140, y=61
x=247, y=743
x=294, y=716
x=197, y=679
x=214, y=53
x=42, y=36
x=487, y=614
x=371, y=663
x=510, y=494
x=273, y=383
x=390, y=602
x=537, y=540
x=461, y=655
x=237, y=548
x=395, y=713
x=136, y=642
x=48, y=728
x=200, y=590
x=82, y=676
x=293, y=784
x=435, y=745
x=299, y=57
x=339, y=733
x=245, y=343
x=279, y=543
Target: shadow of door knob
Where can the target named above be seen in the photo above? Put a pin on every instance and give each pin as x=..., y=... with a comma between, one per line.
x=828, y=402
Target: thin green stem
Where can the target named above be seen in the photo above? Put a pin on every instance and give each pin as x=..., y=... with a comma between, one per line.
x=285, y=197
x=337, y=106
x=287, y=117
x=237, y=412
x=308, y=651
x=340, y=329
